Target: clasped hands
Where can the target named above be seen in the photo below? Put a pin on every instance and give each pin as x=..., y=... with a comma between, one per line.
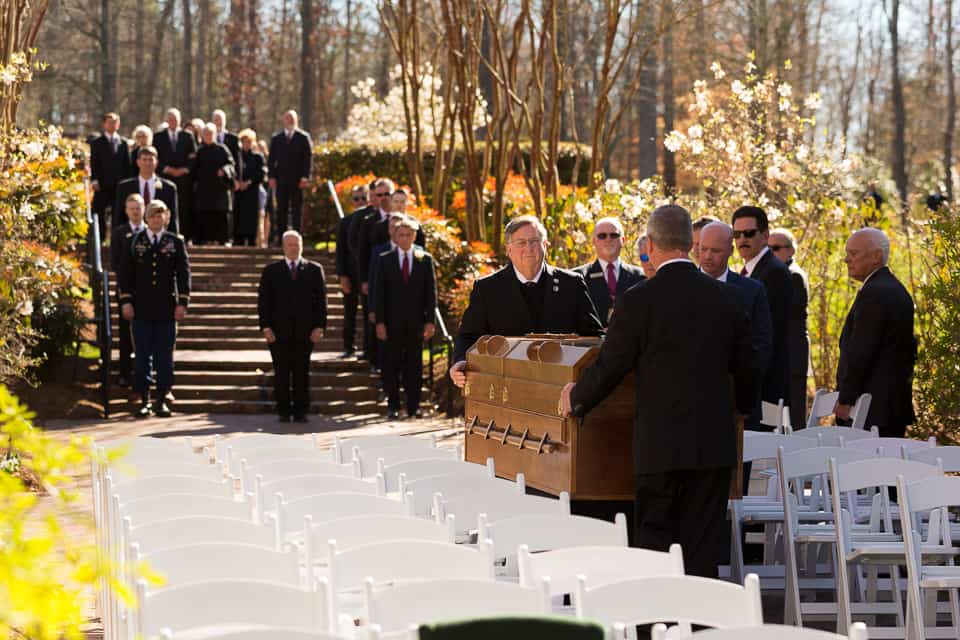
x=271, y=337
x=429, y=329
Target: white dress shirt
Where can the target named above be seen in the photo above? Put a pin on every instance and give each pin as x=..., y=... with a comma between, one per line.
x=722, y=277
x=752, y=264
x=151, y=184
x=535, y=279
x=616, y=268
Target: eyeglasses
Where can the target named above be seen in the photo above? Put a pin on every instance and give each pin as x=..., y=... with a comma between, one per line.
x=530, y=243
x=358, y=198
x=778, y=247
x=603, y=235
x=383, y=195
x=644, y=257
x=746, y=233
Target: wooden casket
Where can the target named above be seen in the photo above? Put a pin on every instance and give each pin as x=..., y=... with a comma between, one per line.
x=512, y=398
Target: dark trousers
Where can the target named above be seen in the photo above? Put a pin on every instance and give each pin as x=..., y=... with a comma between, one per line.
x=798, y=401
x=403, y=358
x=154, y=339
x=289, y=206
x=102, y=205
x=687, y=507
x=350, y=317
x=210, y=226
x=291, y=368
x=371, y=346
x=184, y=224
x=125, y=335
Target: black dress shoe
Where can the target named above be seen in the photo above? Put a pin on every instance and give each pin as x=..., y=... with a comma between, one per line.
x=415, y=415
x=346, y=354
x=144, y=411
x=301, y=418
x=162, y=410
x=393, y=414
x=283, y=418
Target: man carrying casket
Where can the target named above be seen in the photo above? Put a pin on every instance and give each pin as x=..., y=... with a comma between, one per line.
x=526, y=296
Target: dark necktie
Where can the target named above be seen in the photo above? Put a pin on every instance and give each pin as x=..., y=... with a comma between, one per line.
x=529, y=284
x=744, y=273
x=156, y=241
x=293, y=270
x=611, y=281
x=405, y=268
x=146, y=193
x=113, y=144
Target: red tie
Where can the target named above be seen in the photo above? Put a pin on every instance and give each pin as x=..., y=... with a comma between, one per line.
x=405, y=268
x=293, y=270
x=146, y=193
x=611, y=281
x=744, y=273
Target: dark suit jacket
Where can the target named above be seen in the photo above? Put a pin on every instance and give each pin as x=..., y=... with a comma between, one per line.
x=753, y=298
x=290, y=161
x=683, y=374
x=213, y=192
x=345, y=261
x=776, y=278
x=120, y=243
x=799, y=336
x=165, y=190
x=497, y=307
x=596, y=281
x=170, y=156
x=379, y=253
x=231, y=142
x=106, y=167
x=405, y=307
x=878, y=351
x=373, y=233
x=292, y=308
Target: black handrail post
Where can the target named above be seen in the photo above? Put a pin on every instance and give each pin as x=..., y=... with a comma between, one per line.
x=100, y=288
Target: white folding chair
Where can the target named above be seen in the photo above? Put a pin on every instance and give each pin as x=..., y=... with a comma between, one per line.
x=252, y=442
x=684, y=599
x=165, y=484
x=419, y=493
x=361, y=530
x=121, y=471
x=190, y=530
x=597, y=565
x=193, y=610
x=947, y=458
x=266, y=455
x=894, y=447
x=179, y=505
x=416, y=469
x=548, y=532
x=858, y=414
x=835, y=436
x=296, y=487
x=223, y=561
x=823, y=404
x=342, y=451
x=467, y=507
x=395, y=608
x=930, y=497
x=367, y=463
x=858, y=631
x=330, y=506
x=299, y=465
x=776, y=416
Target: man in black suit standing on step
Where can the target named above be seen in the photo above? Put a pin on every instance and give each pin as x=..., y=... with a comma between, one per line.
x=406, y=296
x=751, y=233
x=347, y=267
x=877, y=345
x=689, y=383
x=292, y=304
x=608, y=277
x=109, y=164
x=290, y=166
x=526, y=296
x=150, y=186
x=176, y=150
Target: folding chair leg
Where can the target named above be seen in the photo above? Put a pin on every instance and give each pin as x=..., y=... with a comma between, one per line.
x=736, y=547
x=791, y=588
x=895, y=592
x=955, y=612
x=930, y=609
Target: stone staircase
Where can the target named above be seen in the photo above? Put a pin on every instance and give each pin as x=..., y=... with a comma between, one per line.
x=222, y=362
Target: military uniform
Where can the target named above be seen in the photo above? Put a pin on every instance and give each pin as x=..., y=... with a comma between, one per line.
x=155, y=279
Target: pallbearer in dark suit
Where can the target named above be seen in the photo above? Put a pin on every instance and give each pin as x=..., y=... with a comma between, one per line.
x=290, y=166
x=347, y=268
x=214, y=174
x=176, y=149
x=877, y=346
x=608, y=276
x=251, y=178
x=292, y=304
x=119, y=247
x=227, y=138
x=150, y=186
x=685, y=437
x=154, y=293
x=109, y=164
x=751, y=232
x=406, y=297
x=526, y=296
x=784, y=246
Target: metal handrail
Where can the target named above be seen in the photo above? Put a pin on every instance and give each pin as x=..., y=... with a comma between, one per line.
x=100, y=286
x=336, y=200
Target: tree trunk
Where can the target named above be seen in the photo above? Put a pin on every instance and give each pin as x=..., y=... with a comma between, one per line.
x=140, y=111
x=201, y=89
x=161, y=31
x=186, y=65
x=647, y=110
x=306, y=64
x=899, y=148
x=107, y=61
x=669, y=160
x=951, y=103
x=347, y=78
x=252, y=59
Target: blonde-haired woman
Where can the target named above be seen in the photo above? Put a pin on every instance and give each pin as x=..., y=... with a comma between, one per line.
x=251, y=174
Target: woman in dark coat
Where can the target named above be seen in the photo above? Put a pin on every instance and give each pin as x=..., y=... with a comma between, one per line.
x=251, y=175
x=213, y=175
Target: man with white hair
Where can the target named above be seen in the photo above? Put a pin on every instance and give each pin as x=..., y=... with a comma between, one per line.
x=224, y=137
x=292, y=305
x=877, y=345
x=176, y=149
x=608, y=276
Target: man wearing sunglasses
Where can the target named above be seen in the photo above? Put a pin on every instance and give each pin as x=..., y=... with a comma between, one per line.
x=347, y=267
x=526, y=296
x=608, y=276
x=751, y=233
x=783, y=245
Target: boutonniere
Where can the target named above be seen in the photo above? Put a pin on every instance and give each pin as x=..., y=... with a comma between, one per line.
x=418, y=254
x=157, y=184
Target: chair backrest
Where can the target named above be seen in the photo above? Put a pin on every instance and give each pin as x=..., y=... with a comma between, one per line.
x=804, y=463
x=420, y=492
x=598, y=565
x=179, y=505
x=361, y=530
x=147, y=443
x=416, y=469
x=892, y=447
x=948, y=457
x=823, y=403
x=367, y=459
x=256, y=457
x=161, y=485
x=876, y=472
x=300, y=465
x=835, y=436
x=542, y=532
x=467, y=507
x=331, y=506
x=176, y=532
x=124, y=472
x=296, y=487
x=775, y=415
x=405, y=560
x=860, y=410
x=342, y=450
x=763, y=446
x=397, y=607
x=231, y=603
x=256, y=441
x=225, y=561
x=858, y=631
x=687, y=599
x=265, y=633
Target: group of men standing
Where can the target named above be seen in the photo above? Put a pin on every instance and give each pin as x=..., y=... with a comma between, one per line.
x=705, y=344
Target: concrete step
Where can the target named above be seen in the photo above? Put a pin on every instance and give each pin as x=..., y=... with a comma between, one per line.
x=252, y=360
x=259, y=392
x=195, y=317
x=345, y=408
x=338, y=379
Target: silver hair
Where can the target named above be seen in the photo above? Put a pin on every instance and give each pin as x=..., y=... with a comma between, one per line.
x=878, y=240
x=609, y=220
x=719, y=225
x=670, y=228
x=523, y=221
x=173, y=111
x=379, y=182
x=142, y=128
x=786, y=233
x=408, y=222
x=218, y=112
x=212, y=128
x=291, y=233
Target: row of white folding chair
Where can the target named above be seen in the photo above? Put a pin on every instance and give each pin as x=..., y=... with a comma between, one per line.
x=354, y=531
x=275, y=464
x=330, y=506
x=858, y=631
x=302, y=486
x=232, y=449
x=391, y=476
x=466, y=507
x=419, y=493
x=368, y=462
x=342, y=450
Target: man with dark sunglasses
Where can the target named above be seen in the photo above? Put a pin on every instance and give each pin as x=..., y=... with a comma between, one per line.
x=347, y=268
x=608, y=276
x=751, y=233
x=783, y=245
